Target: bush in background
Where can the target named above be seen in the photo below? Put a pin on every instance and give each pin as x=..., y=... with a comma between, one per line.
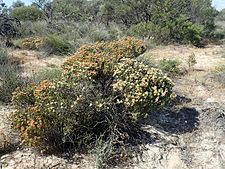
x=3, y=56
x=33, y=29
x=57, y=45
x=179, y=30
x=27, y=13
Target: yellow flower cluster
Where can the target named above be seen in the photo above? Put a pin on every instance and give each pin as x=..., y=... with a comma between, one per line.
x=143, y=88
x=33, y=43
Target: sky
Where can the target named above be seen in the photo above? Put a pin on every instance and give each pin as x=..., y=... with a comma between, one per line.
x=218, y=4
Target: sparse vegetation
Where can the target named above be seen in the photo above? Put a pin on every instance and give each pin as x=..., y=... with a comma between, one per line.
x=220, y=68
x=191, y=60
x=99, y=99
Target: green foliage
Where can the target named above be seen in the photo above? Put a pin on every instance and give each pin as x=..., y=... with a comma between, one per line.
x=171, y=67
x=182, y=21
x=221, y=15
x=193, y=34
x=9, y=77
x=179, y=30
x=98, y=35
x=57, y=45
x=179, y=21
x=191, y=60
x=48, y=74
x=143, y=30
x=33, y=29
x=70, y=10
x=87, y=107
x=3, y=56
x=27, y=13
x=204, y=14
x=219, y=34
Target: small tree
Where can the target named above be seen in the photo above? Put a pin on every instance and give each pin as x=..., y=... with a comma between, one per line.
x=27, y=13
x=46, y=7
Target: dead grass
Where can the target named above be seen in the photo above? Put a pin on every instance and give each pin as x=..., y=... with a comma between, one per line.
x=206, y=58
x=33, y=62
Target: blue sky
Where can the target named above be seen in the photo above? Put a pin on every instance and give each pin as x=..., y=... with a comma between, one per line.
x=219, y=4
x=9, y=2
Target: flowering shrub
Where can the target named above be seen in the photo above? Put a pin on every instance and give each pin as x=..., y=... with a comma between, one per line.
x=24, y=97
x=33, y=43
x=51, y=44
x=92, y=58
x=65, y=113
x=144, y=89
x=100, y=97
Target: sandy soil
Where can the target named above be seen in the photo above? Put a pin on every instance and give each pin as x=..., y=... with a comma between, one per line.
x=33, y=61
x=199, y=129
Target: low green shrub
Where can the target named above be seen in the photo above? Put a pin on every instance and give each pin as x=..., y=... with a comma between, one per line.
x=143, y=30
x=219, y=34
x=170, y=67
x=57, y=45
x=99, y=34
x=191, y=60
x=193, y=34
